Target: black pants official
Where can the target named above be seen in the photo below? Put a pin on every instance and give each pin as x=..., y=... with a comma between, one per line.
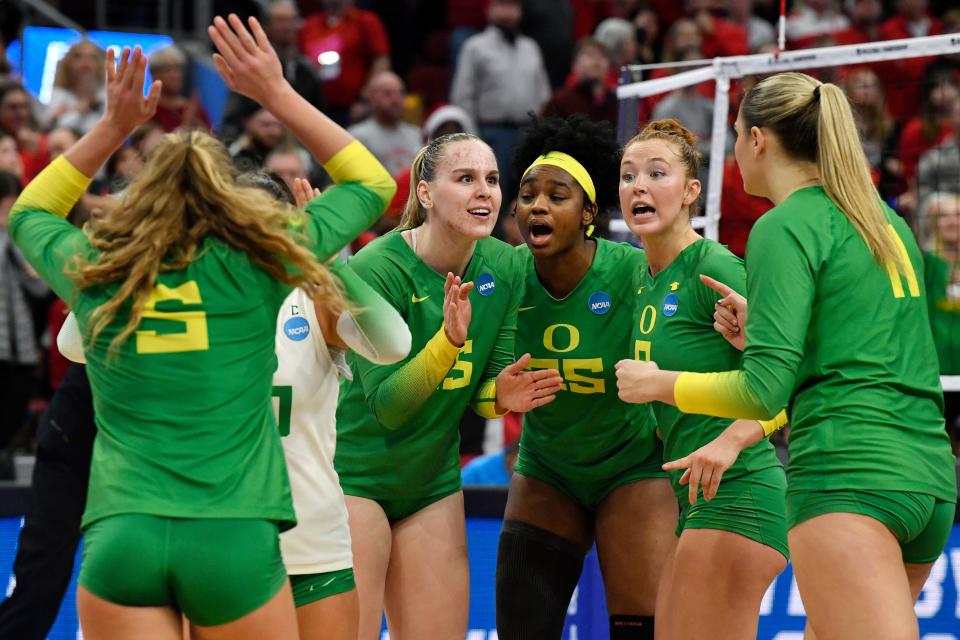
x=51, y=529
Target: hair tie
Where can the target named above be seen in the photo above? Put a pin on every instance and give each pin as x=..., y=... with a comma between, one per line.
x=590, y=230
x=816, y=93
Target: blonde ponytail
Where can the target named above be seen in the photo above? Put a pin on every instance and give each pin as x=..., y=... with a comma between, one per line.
x=814, y=123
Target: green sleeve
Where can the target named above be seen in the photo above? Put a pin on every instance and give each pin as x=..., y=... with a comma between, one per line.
x=363, y=190
x=395, y=392
x=502, y=355
x=39, y=228
x=783, y=259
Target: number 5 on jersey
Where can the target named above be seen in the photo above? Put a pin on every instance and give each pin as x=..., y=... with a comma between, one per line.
x=192, y=337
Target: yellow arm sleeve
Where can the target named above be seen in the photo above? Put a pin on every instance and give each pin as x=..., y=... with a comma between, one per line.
x=724, y=395
x=770, y=426
x=55, y=190
x=484, y=402
x=354, y=163
x=401, y=394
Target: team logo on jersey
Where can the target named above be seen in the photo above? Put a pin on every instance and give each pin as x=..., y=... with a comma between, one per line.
x=599, y=303
x=296, y=328
x=670, y=304
x=486, y=284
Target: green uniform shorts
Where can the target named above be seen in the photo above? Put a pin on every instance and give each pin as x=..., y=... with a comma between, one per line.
x=588, y=486
x=752, y=505
x=397, y=508
x=214, y=570
x=311, y=587
x=921, y=522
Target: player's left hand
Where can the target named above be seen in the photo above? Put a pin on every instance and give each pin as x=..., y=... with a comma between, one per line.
x=303, y=192
x=635, y=380
x=244, y=59
x=705, y=467
x=520, y=391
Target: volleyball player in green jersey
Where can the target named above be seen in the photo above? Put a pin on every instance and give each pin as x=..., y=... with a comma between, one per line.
x=838, y=330
x=733, y=543
x=397, y=426
x=589, y=464
x=176, y=293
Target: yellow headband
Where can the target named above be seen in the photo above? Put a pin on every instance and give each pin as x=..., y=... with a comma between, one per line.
x=569, y=164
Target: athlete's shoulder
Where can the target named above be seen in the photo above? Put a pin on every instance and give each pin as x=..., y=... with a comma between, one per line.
x=501, y=257
x=388, y=249
x=620, y=255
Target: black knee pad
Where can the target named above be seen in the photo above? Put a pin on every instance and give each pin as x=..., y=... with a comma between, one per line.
x=537, y=572
x=631, y=627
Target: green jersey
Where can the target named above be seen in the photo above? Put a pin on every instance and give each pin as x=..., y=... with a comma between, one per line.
x=185, y=426
x=847, y=343
x=673, y=326
x=943, y=304
x=583, y=336
x=380, y=455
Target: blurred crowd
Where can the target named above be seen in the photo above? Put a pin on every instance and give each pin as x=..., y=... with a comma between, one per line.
x=399, y=73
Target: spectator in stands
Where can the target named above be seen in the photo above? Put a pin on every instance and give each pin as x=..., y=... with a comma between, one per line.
x=759, y=31
x=282, y=23
x=941, y=214
x=10, y=161
x=939, y=168
x=550, y=24
x=500, y=79
x=350, y=46
x=682, y=35
x=931, y=127
x=20, y=289
x=695, y=112
x=619, y=38
x=262, y=133
x=391, y=140
x=903, y=91
x=646, y=26
x=813, y=20
x=78, y=97
x=738, y=210
x=588, y=93
x=466, y=18
x=721, y=37
x=59, y=140
x=494, y=469
x=146, y=138
x=865, y=19
x=17, y=120
x=175, y=111
x=865, y=91
x=289, y=162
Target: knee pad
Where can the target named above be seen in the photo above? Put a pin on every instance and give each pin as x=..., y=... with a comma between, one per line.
x=631, y=627
x=537, y=572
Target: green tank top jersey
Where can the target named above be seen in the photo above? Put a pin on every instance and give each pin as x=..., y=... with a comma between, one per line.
x=943, y=298
x=846, y=342
x=673, y=326
x=583, y=336
x=185, y=427
x=420, y=456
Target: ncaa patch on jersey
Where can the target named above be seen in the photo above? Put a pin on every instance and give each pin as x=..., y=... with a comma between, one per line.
x=599, y=303
x=296, y=328
x=670, y=304
x=486, y=284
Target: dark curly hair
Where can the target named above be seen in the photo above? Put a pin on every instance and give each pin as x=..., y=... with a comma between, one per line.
x=593, y=144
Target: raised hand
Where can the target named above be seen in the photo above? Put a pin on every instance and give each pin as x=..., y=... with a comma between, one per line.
x=520, y=391
x=247, y=63
x=730, y=313
x=457, y=310
x=303, y=192
x=127, y=109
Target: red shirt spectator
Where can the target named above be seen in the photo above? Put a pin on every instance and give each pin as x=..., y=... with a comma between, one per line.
x=738, y=210
x=914, y=142
x=902, y=77
x=174, y=116
x=358, y=37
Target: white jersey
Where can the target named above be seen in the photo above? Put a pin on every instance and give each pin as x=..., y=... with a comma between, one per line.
x=305, y=393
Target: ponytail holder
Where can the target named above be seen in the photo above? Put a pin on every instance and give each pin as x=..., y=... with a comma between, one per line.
x=816, y=93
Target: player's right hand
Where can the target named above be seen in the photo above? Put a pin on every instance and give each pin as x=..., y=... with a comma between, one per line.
x=730, y=313
x=457, y=310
